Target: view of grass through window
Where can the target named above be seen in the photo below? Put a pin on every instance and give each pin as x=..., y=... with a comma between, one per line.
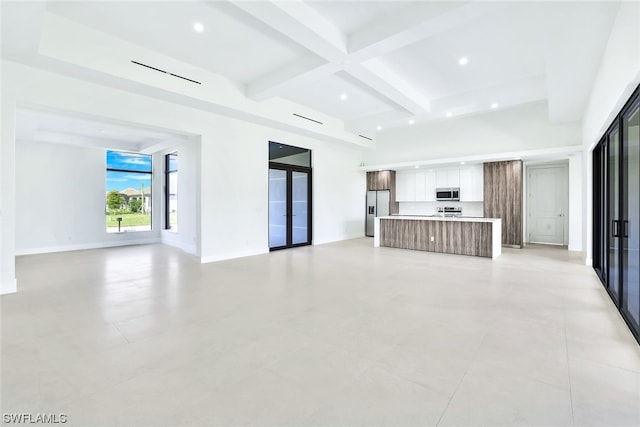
x=128, y=198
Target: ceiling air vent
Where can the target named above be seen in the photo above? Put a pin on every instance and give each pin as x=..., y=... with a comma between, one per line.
x=307, y=118
x=365, y=137
x=166, y=72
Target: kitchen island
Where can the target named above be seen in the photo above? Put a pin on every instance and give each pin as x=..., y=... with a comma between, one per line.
x=452, y=235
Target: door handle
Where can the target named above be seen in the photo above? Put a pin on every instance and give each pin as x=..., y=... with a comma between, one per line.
x=625, y=229
x=616, y=228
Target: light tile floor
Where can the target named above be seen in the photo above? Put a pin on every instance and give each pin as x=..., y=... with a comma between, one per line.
x=341, y=334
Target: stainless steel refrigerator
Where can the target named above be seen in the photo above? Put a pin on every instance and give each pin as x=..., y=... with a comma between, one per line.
x=378, y=204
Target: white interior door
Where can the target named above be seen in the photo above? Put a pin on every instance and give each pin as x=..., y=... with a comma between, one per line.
x=547, y=204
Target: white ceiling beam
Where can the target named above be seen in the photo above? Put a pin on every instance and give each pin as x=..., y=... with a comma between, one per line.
x=417, y=22
x=506, y=94
x=302, y=24
x=367, y=123
x=65, y=138
x=302, y=71
x=306, y=27
x=380, y=77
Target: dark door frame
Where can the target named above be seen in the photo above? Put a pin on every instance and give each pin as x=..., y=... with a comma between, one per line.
x=289, y=169
x=603, y=225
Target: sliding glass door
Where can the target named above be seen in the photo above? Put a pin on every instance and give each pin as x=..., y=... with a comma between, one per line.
x=616, y=212
x=613, y=226
x=630, y=214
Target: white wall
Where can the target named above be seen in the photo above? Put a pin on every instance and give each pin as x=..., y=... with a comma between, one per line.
x=7, y=190
x=187, y=237
x=618, y=76
x=234, y=158
x=338, y=190
x=517, y=129
x=60, y=200
x=576, y=204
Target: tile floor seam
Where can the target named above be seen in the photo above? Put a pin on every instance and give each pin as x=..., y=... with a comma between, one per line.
x=444, y=411
x=608, y=365
x=401, y=294
x=121, y=333
x=566, y=343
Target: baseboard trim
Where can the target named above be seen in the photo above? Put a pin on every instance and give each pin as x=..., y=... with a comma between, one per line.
x=339, y=239
x=190, y=249
x=85, y=246
x=232, y=255
x=9, y=287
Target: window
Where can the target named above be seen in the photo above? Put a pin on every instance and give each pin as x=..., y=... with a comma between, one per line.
x=128, y=200
x=171, y=191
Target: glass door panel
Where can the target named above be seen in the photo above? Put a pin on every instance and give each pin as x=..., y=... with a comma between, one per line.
x=300, y=209
x=289, y=206
x=630, y=234
x=613, y=223
x=277, y=208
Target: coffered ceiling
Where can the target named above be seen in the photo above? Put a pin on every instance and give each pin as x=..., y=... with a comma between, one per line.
x=373, y=65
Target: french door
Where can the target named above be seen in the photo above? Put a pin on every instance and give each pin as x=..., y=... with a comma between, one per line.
x=616, y=212
x=289, y=206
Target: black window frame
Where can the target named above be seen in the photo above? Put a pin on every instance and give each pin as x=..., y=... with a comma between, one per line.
x=167, y=192
x=150, y=172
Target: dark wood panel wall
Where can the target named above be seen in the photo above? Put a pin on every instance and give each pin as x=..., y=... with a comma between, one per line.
x=451, y=237
x=503, y=198
x=384, y=180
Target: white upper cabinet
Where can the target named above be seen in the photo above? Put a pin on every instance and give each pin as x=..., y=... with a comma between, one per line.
x=448, y=177
x=471, y=184
x=430, y=186
x=466, y=182
x=420, y=185
x=405, y=186
x=478, y=183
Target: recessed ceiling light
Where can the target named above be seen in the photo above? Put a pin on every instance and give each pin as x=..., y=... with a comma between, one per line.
x=411, y=121
x=494, y=105
x=462, y=163
x=449, y=114
x=463, y=61
x=416, y=166
x=198, y=27
x=379, y=128
x=344, y=96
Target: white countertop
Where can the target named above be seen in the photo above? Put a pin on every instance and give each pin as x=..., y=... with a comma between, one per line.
x=439, y=218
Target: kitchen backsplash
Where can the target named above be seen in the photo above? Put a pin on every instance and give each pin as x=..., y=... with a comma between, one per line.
x=429, y=208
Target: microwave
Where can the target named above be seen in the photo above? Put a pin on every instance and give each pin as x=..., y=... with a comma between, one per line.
x=443, y=194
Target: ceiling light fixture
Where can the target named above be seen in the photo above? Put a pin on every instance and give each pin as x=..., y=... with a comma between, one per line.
x=463, y=61
x=411, y=121
x=494, y=105
x=379, y=128
x=344, y=96
x=198, y=27
x=462, y=163
x=449, y=114
x=416, y=166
